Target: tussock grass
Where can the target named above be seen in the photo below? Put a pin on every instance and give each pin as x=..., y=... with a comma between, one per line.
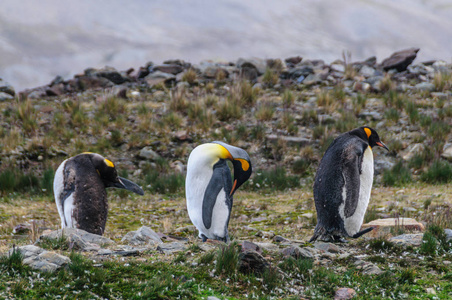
x=265, y=111
x=227, y=260
x=398, y=175
x=439, y=172
x=270, y=77
x=274, y=179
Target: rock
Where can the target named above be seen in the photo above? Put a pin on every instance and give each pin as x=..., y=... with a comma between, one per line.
x=158, y=77
x=270, y=247
x=77, y=239
x=169, y=68
x=170, y=248
x=410, y=239
x=383, y=227
x=40, y=259
x=400, y=60
x=186, y=229
x=361, y=87
x=312, y=79
x=250, y=246
x=212, y=298
x=327, y=247
x=22, y=228
x=290, y=140
x=375, y=82
x=338, y=67
x=265, y=234
x=293, y=60
x=109, y=73
x=148, y=153
x=382, y=163
x=371, y=269
x=425, y=86
x=412, y=150
x=344, y=293
x=448, y=233
x=280, y=239
x=5, y=97
x=6, y=88
x=367, y=71
x=142, y=236
x=297, y=252
x=85, y=83
x=447, y=151
x=257, y=63
x=252, y=262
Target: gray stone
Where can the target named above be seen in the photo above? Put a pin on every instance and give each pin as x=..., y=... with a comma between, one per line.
x=148, y=153
x=338, y=67
x=344, y=294
x=373, y=115
x=290, y=140
x=170, y=248
x=160, y=75
x=375, y=82
x=212, y=298
x=448, y=234
x=412, y=150
x=411, y=239
x=371, y=269
x=297, y=252
x=447, y=152
x=169, y=68
x=5, y=97
x=270, y=247
x=7, y=88
x=246, y=245
x=40, y=259
x=252, y=262
x=383, y=227
x=312, y=79
x=142, y=236
x=400, y=60
x=425, y=86
x=77, y=239
x=259, y=64
x=367, y=71
x=265, y=234
x=327, y=247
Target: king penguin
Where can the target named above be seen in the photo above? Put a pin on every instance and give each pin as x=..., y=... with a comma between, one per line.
x=79, y=189
x=343, y=183
x=209, y=187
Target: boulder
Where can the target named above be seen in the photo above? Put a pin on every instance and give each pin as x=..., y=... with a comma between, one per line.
x=290, y=140
x=383, y=227
x=409, y=239
x=400, y=60
x=40, y=259
x=170, y=248
x=142, y=236
x=76, y=239
x=169, y=68
x=7, y=88
x=5, y=97
x=297, y=252
x=344, y=294
x=252, y=262
x=425, y=86
x=257, y=63
x=148, y=153
x=412, y=150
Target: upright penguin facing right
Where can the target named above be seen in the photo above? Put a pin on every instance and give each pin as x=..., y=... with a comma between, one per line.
x=343, y=184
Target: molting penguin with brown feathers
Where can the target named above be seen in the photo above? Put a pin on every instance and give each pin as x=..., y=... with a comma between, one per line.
x=343, y=184
x=79, y=188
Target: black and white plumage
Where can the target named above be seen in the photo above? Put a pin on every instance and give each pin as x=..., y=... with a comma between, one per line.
x=209, y=186
x=79, y=189
x=343, y=184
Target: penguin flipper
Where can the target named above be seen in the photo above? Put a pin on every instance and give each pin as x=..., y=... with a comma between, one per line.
x=216, y=184
x=352, y=160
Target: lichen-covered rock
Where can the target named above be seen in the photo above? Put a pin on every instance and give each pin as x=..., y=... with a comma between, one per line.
x=383, y=227
x=76, y=239
x=142, y=236
x=40, y=259
x=170, y=248
x=409, y=239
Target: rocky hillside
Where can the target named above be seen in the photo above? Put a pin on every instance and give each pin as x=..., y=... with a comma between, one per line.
x=283, y=112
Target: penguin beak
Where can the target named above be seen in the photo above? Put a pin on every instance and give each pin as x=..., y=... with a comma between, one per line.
x=128, y=185
x=382, y=145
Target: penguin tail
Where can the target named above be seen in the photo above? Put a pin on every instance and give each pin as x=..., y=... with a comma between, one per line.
x=362, y=232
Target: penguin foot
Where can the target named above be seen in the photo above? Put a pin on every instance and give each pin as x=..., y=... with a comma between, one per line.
x=203, y=237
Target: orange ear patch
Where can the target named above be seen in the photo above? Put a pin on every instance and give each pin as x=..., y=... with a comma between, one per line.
x=245, y=164
x=368, y=132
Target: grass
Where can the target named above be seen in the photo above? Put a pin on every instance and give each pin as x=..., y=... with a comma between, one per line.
x=439, y=172
x=273, y=179
x=398, y=175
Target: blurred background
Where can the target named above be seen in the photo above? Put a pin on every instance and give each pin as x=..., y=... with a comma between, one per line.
x=42, y=39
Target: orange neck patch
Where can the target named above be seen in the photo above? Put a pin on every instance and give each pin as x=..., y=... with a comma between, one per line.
x=368, y=132
x=245, y=164
x=109, y=163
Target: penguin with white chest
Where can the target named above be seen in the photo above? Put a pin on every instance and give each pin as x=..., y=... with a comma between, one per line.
x=343, y=184
x=209, y=187
x=79, y=188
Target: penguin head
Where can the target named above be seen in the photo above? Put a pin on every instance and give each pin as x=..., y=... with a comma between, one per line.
x=240, y=161
x=369, y=135
x=107, y=172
